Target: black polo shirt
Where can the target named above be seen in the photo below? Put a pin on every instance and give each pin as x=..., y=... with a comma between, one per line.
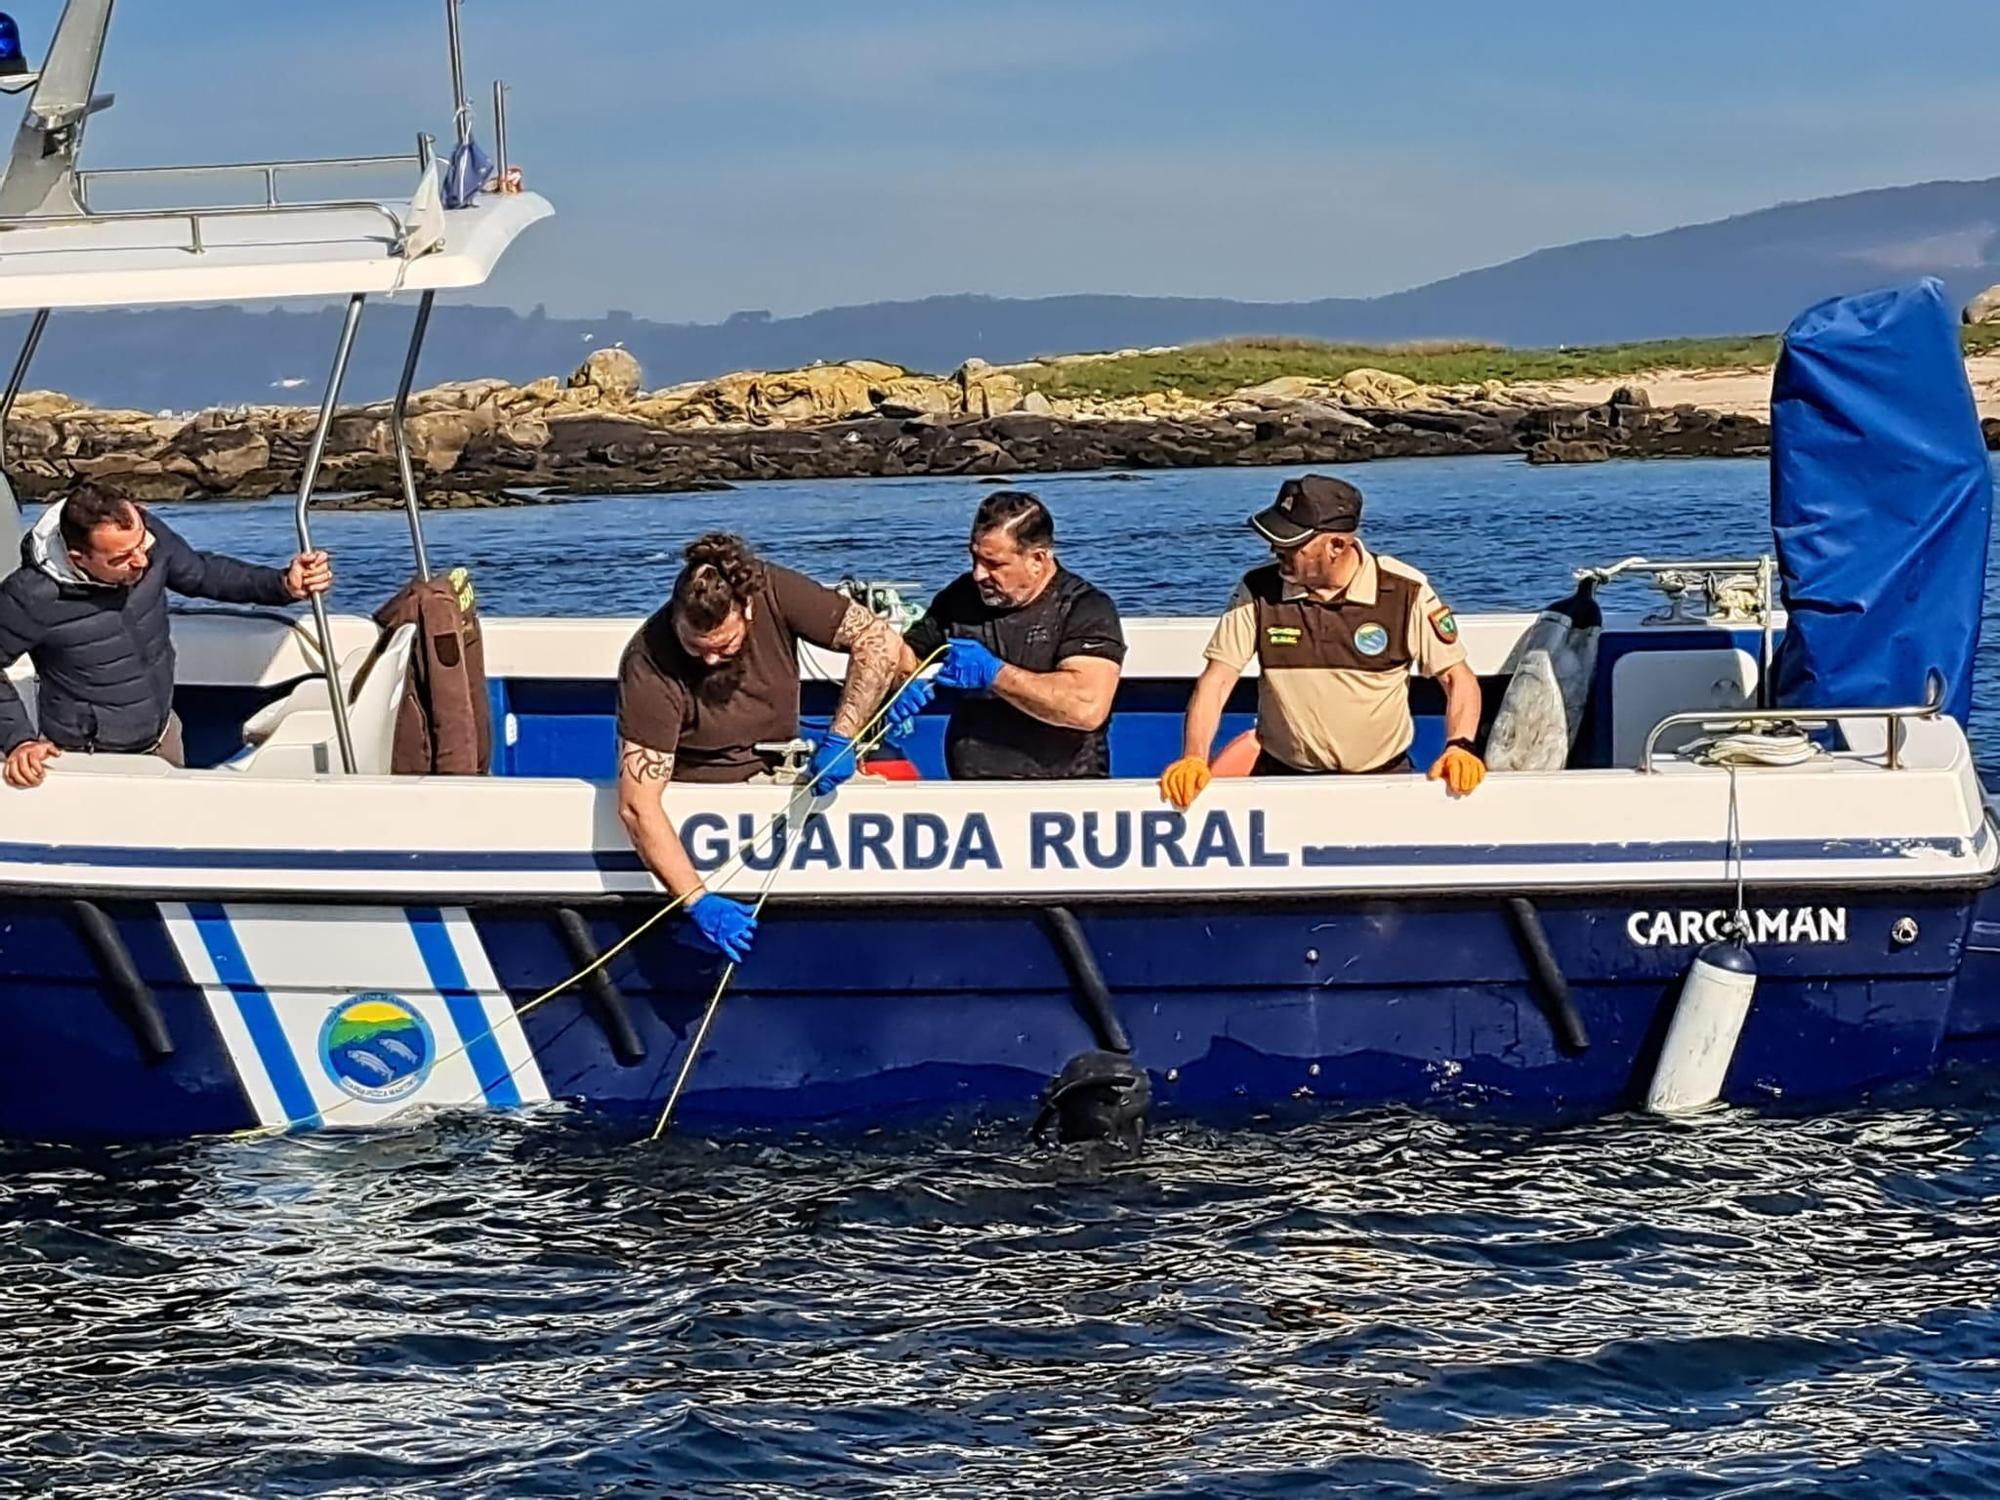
x=989, y=740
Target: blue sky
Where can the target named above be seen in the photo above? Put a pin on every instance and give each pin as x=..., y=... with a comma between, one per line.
x=705, y=158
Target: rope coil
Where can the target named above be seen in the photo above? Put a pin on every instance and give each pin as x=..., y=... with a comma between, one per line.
x=1781, y=745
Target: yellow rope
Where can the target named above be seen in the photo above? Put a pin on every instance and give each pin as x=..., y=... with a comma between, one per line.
x=722, y=985
x=861, y=745
x=707, y=1019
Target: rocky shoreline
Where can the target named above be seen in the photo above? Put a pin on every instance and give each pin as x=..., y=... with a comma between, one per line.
x=602, y=431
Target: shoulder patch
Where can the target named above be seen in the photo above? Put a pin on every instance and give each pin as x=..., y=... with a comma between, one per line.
x=1445, y=623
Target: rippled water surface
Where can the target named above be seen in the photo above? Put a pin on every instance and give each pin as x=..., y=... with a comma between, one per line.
x=1393, y=1305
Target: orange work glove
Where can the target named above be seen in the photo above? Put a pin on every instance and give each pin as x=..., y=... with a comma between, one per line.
x=1460, y=770
x=1183, y=781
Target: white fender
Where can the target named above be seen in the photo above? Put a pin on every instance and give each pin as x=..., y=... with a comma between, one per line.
x=1708, y=1021
x=1543, y=707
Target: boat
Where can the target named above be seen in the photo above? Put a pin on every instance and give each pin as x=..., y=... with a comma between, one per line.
x=1759, y=871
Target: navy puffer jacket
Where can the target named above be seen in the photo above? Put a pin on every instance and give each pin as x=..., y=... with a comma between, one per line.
x=105, y=654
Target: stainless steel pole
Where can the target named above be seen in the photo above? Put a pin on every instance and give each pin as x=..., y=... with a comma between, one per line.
x=398, y=417
x=461, y=109
x=500, y=130
x=1766, y=654
x=336, y=696
x=14, y=381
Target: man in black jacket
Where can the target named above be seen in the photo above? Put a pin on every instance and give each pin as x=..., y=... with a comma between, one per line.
x=89, y=607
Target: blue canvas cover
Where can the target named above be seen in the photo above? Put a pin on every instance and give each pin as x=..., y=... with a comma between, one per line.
x=1881, y=503
x=466, y=174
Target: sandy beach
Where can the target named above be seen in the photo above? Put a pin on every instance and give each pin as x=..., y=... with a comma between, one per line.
x=1743, y=392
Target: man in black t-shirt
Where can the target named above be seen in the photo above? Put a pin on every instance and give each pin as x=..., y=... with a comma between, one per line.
x=1034, y=649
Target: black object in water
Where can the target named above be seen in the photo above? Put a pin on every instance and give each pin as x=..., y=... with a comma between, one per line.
x=1098, y=1096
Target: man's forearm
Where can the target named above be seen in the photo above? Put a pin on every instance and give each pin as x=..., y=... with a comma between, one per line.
x=1057, y=698
x=1462, y=700
x=659, y=846
x=874, y=657
x=1204, y=715
x=643, y=775
x=16, y=727
x=229, y=580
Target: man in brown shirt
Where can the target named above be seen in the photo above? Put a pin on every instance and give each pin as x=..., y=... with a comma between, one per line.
x=715, y=672
x=1336, y=631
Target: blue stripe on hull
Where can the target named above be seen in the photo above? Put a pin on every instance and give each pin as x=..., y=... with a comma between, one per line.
x=259, y=1015
x=856, y=1014
x=482, y=1048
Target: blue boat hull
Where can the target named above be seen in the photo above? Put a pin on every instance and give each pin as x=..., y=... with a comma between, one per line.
x=848, y=1015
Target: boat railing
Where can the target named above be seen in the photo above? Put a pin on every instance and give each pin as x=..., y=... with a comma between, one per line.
x=274, y=200
x=409, y=235
x=1738, y=718
x=1714, y=579
x=197, y=243
x=270, y=171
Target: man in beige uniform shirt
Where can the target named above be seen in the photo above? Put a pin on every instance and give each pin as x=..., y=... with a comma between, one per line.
x=1336, y=630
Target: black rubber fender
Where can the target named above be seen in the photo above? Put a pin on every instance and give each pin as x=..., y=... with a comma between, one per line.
x=130, y=996
x=607, y=1002
x=1545, y=975
x=1087, y=987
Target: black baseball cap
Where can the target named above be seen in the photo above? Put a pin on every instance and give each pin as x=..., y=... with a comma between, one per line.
x=1307, y=506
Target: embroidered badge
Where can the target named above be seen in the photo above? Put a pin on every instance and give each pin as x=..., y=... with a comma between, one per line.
x=1282, y=635
x=1445, y=623
x=1370, y=640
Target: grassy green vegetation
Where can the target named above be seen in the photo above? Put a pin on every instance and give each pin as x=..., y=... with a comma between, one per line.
x=1981, y=338
x=1210, y=370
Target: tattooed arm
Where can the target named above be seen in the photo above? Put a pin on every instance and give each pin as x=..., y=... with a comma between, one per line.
x=874, y=652
x=643, y=774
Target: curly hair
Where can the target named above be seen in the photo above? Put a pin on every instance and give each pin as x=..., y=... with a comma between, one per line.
x=722, y=574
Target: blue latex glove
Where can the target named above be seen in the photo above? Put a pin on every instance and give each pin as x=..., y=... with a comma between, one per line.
x=832, y=762
x=970, y=666
x=900, y=717
x=726, y=926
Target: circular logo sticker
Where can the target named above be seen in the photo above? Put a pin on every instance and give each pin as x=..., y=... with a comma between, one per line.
x=1370, y=640
x=376, y=1047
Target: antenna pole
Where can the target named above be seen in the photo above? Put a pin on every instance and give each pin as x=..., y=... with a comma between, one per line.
x=461, y=108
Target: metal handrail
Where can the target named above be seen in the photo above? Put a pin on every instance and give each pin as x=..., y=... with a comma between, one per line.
x=194, y=216
x=1647, y=565
x=502, y=165
x=461, y=110
x=268, y=170
x=308, y=477
x=18, y=378
x=399, y=431
x=1724, y=718
x=1671, y=579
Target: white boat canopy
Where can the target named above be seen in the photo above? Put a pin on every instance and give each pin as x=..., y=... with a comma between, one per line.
x=255, y=254
x=60, y=250
x=57, y=251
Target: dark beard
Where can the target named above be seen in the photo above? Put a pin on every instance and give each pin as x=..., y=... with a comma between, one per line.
x=718, y=684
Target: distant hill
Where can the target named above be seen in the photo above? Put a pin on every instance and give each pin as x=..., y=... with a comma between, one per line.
x=1743, y=274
